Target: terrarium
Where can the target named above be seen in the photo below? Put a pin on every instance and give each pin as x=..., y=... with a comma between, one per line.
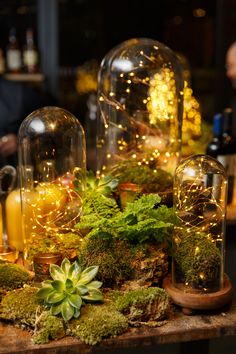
x=200, y=198
x=140, y=104
x=51, y=155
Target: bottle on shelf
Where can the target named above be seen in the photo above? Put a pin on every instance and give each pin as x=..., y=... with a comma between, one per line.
x=223, y=148
x=214, y=147
x=228, y=156
x=30, y=53
x=13, y=53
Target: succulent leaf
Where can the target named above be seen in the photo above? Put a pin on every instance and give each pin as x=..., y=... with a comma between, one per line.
x=74, y=271
x=67, y=310
x=76, y=313
x=69, y=288
x=58, y=285
x=82, y=289
x=69, y=284
x=75, y=300
x=55, y=310
x=65, y=265
x=55, y=297
x=44, y=292
x=88, y=274
x=56, y=272
x=94, y=284
x=93, y=295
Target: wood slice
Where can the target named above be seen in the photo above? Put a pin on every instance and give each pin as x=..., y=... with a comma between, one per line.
x=208, y=301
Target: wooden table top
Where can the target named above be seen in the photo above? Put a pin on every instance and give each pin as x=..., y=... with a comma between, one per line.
x=180, y=328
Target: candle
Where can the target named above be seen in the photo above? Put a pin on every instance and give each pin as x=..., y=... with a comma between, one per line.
x=14, y=220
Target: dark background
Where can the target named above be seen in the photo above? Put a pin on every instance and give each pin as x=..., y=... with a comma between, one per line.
x=70, y=33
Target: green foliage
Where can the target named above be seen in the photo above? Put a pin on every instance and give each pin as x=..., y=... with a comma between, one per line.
x=144, y=305
x=96, y=206
x=98, y=322
x=20, y=306
x=48, y=327
x=143, y=175
x=12, y=276
x=69, y=288
x=144, y=220
x=197, y=260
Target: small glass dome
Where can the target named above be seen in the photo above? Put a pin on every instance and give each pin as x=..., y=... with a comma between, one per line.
x=140, y=104
x=51, y=153
x=200, y=198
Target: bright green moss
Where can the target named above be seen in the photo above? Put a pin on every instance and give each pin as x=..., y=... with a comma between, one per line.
x=12, y=276
x=144, y=305
x=97, y=322
x=198, y=261
x=20, y=306
x=48, y=327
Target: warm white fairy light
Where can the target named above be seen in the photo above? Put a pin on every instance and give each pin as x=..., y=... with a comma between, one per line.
x=154, y=98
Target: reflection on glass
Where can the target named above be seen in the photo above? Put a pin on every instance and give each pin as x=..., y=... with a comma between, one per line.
x=200, y=190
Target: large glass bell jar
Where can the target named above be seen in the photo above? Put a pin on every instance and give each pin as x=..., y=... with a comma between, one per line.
x=140, y=104
x=51, y=156
x=200, y=197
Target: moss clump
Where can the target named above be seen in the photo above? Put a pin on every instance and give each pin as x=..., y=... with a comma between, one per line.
x=67, y=244
x=198, y=261
x=20, y=306
x=112, y=256
x=48, y=327
x=12, y=276
x=97, y=322
x=144, y=305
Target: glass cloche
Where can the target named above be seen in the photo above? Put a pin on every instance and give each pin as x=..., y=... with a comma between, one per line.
x=51, y=153
x=200, y=198
x=140, y=104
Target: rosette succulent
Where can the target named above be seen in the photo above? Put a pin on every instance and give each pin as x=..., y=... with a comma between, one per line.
x=69, y=289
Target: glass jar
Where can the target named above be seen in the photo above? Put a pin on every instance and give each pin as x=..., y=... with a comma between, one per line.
x=51, y=151
x=140, y=106
x=200, y=198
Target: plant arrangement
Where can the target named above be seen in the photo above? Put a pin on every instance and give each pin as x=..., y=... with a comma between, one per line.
x=111, y=251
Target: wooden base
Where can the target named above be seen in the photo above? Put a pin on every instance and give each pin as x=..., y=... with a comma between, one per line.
x=190, y=302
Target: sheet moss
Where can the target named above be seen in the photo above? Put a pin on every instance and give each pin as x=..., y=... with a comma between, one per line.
x=48, y=327
x=97, y=322
x=20, y=306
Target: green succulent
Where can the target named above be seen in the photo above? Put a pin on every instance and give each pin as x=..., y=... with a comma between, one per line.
x=105, y=185
x=69, y=288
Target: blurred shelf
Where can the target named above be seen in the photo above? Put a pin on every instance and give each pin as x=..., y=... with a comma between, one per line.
x=22, y=77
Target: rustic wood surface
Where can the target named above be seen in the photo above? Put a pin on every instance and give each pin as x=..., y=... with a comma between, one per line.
x=180, y=328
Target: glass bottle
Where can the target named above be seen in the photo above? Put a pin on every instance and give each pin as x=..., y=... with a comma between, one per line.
x=13, y=53
x=227, y=155
x=140, y=104
x=30, y=53
x=214, y=147
x=51, y=150
x=200, y=197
